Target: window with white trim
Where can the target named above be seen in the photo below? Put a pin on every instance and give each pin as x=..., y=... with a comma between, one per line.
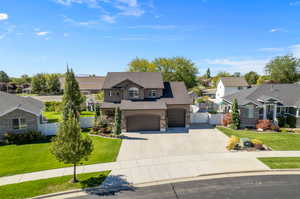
x=19, y=123
x=133, y=92
x=152, y=93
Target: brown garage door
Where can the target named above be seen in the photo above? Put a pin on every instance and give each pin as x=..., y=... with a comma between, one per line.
x=176, y=117
x=143, y=123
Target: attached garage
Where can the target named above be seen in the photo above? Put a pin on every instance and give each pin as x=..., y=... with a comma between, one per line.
x=176, y=117
x=143, y=123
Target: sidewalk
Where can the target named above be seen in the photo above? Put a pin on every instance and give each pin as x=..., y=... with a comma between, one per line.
x=164, y=168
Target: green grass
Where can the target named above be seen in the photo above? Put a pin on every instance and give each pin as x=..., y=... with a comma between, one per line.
x=53, y=117
x=51, y=185
x=277, y=141
x=282, y=163
x=17, y=159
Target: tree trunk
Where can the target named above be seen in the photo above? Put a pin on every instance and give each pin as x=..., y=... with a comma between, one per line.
x=74, y=174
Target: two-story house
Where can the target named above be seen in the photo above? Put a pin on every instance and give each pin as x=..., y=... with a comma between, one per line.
x=146, y=102
x=230, y=85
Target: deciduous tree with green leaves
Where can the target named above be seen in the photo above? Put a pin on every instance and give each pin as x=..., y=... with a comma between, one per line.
x=141, y=65
x=72, y=98
x=69, y=145
x=118, y=120
x=235, y=115
x=251, y=77
x=284, y=69
x=4, y=77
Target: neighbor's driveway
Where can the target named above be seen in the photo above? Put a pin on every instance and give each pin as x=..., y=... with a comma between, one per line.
x=177, y=142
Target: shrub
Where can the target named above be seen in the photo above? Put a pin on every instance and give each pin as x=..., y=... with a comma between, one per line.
x=291, y=121
x=233, y=142
x=275, y=127
x=281, y=121
x=264, y=124
x=53, y=106
x=227, y=119
x=23, y=138
x=213, y=112
x=256, y=141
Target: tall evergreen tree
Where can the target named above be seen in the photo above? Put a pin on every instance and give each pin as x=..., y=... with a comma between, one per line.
x=118, y=118
x=69, y=146
x=235, y=115
x=208, y=75
x=4, y=77
x=72, y=98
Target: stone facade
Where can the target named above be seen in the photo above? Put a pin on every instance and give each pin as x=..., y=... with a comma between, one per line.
x=6, y=122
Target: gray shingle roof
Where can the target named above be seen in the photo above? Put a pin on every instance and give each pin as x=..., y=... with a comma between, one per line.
x=287, y=94
x=86, y=83
x=144, y=79
x=234, y=81
x=10, y=102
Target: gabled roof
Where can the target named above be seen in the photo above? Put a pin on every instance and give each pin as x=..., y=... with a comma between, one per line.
x=144, y=79
x=234, y=81
x=87, y=83
x=10, y=102
x=287, y=94
x=176, y=93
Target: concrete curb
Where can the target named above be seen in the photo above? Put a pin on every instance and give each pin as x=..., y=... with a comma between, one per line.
x=101, y=191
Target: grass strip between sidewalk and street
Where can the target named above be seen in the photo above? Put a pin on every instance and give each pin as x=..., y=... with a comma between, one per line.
x=51, y=185
x=278, y=141
x=282, y=162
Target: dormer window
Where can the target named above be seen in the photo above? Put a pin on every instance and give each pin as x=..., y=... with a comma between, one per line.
x=133, y=92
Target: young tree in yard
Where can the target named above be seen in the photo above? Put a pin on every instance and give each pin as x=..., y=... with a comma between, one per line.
x=251, y=77
x=118, y=118
x=284, y=69
x=4, y=77
x=72, y=98
x=97, y=116
x=235, y=115
x=69, y=146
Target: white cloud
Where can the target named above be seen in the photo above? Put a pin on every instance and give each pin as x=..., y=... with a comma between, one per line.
x=3, y=16
x=295, y=3
x=66, y=34
x=276, y=30
x=295, y=49
x=42, y=33
x=155, y=27
x=108, y=19
x=131, y=3
x=7, y=29
x=238, y=65
x=90, y=3
x=271, y=49
x=79, y=23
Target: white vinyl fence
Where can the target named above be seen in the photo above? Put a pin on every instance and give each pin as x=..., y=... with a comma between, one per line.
x=51, y=128
x=213, y=119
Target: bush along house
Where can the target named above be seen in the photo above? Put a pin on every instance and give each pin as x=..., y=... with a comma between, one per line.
x=279, y=103
x=146, y=102
x=19, y=114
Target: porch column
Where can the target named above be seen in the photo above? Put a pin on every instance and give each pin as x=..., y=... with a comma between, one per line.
x=275, y=114
x=265, y=111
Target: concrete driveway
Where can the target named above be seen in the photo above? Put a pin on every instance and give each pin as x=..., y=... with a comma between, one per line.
x=176, y=142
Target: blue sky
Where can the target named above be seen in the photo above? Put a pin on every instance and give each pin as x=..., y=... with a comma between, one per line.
x=97, y=36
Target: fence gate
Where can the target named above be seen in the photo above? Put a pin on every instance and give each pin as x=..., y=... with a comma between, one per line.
x=197, y=118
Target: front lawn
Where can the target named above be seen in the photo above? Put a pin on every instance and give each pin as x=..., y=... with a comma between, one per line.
x=282, y=162
x=51, y=185
x=277, y=141
x=17, y=159
x=53, y=117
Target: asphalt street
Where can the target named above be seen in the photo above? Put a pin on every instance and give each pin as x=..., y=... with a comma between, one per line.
x=250, y=187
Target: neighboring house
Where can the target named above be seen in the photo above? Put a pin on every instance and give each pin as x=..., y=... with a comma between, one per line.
x=19, y=114
x=87, y=84
x=211, y=93
x=229, y=85
x=267, y=101
x=147, y=103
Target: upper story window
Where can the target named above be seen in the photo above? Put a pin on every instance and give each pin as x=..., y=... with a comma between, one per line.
x=133, y=92
x=19, y=123
x=250, y=111
x=152, y=93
